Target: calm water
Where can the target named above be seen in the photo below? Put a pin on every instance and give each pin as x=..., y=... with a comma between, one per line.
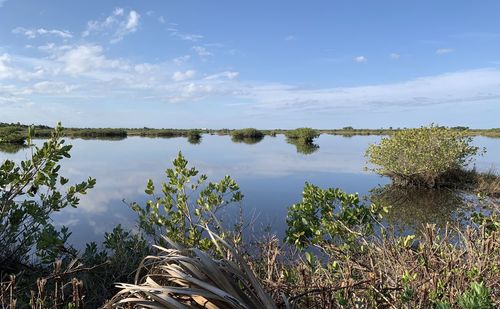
x=271, y=174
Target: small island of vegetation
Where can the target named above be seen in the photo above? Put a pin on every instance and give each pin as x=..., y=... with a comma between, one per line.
x=431, y=157
x=247, y=133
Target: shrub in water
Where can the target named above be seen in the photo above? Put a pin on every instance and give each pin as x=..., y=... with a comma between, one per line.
x=303, y=135
x=427, y=156
x=247, y=133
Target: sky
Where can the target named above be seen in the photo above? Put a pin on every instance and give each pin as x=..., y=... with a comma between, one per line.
x=260, y=63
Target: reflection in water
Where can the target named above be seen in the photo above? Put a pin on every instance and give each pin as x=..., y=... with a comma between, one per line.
x=411, y=208
x=271, y=175
x=99, y=138
x=247, y=140
x=303, y=148
x=194, y=139
x=11, y=148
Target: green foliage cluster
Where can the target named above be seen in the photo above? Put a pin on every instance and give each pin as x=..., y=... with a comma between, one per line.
x=247, y=133
x=427, y=156
x=302, y=135
x=167, y=133
x=29, y=194
x=329, y=216
x=383, y=268
x=194, y=136
x=96, y=133
x=12, y=135
x=115, y=260
x=176, y=215
x=478, y=296
x=350, y=131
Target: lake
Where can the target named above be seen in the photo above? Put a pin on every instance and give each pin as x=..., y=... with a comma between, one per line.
x=271, y=174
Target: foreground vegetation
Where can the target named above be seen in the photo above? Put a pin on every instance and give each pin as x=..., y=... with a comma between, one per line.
x=336, y=253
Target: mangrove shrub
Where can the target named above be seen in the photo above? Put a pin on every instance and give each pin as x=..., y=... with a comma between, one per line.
x=30, y=192
x=423, y=157
x=186, y=205
x=247, y=133
x=329, y=215
x=302, y=135
x=12, y=135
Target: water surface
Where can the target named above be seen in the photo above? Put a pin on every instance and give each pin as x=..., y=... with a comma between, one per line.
x=271, y=174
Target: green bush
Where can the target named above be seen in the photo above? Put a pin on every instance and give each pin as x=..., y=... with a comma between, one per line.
x=194, y=136
x=30, y=192
x=329, y=215
x=427, y=156
x=186, y=206
x=247, y=133
x=12, y=135
x=302, y=135
x=477, y=297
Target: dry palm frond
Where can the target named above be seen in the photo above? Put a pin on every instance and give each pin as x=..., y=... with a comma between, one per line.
x=186, y=278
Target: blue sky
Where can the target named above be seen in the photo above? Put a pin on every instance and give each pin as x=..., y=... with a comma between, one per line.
x=266, y=64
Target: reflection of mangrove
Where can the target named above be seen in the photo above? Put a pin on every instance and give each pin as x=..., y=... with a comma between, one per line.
x=194, y=139
x=347, y=135
x=411, y=208
x=164, y=133
x=303, y=147
x=247, y=140
x=100, y=138
x=11, y=148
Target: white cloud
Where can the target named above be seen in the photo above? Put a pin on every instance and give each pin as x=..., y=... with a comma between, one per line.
x=290, y=38
x=192, y=92
x=132, y=21
x=33, y=33
x=87, y=58
x=202, y=51
x=2, y=2
x=441, y=51
x=181, y=76
x=185, y=36
x=181, y=60
x=144, y=68
x=50, y=87
x=395, y=56
x=52, y=48
x=161, y=19
x=190, y=37
x=87, y=73
x=360, y=59
x=119, y=23
x=468, y=86
x=9, y=71
x=5, y=70
x=129, y=27
x=226, y=74
x=118, y=12
x=82, y=59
